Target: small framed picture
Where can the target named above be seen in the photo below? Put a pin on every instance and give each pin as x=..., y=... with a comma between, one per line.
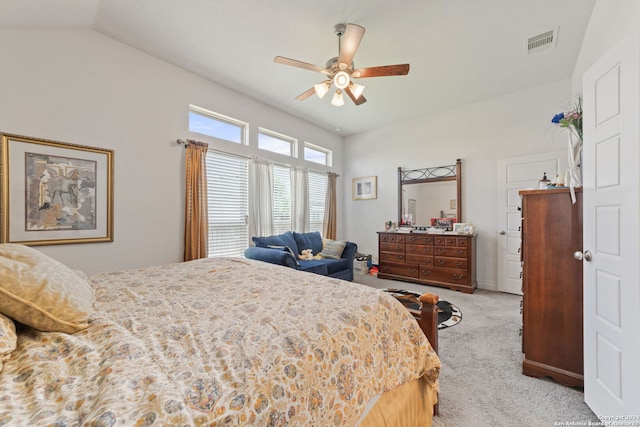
x=364, y=188
x=445, y=223
x=464, y=228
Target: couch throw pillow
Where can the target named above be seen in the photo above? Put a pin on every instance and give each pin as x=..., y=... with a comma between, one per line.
x=286, y=249
x=284, y=239
x=43, y=293
x=311, y=240
x=333, y=248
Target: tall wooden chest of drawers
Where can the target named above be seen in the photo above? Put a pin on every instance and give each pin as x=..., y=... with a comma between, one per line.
x=552, y=285
x=440, y=260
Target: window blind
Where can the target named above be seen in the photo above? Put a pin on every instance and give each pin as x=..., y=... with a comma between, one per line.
x=228, y=202
x=317, y=195
x=281, y=199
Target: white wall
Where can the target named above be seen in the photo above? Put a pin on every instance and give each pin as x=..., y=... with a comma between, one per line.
x=479, y=134
x=84, y=88
x=610, y=21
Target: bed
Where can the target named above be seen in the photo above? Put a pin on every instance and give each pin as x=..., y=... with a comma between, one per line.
x=211, y=342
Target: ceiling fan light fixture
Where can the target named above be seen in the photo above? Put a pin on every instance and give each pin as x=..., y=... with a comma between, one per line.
x=341, y=79
x=356, y=90
x=322, y=88
x=338, y=99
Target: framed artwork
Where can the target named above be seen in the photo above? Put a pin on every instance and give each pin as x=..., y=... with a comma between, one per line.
x=54, y=192
x=445, y=223
x=464, y=228
x=458, y=226
x=364, y=188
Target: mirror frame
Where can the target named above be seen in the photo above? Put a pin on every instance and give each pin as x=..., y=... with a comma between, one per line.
x=434, y=174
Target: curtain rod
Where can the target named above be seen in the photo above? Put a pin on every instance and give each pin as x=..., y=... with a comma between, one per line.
x=186, y=143
x=189, y=141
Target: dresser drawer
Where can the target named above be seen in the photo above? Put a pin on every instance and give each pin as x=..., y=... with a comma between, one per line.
x=440, y=241
x=460, y=263
x=392, y=256
x=419, y=250
x=440, y=274
x=395, y=238
x=391, y=247
x=419, y=240
x=399, y=269
x=419, y=259
x=462, y=241
x=455, y=252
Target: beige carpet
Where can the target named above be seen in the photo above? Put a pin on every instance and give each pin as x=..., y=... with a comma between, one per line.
x=481, y=383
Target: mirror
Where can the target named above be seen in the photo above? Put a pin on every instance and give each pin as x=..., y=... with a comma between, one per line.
x=430, y=197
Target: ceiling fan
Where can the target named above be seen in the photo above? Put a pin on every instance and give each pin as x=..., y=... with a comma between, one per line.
x=340, y=70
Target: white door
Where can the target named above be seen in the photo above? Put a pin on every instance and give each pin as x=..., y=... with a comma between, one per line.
x=515, y=174
x=611, y=89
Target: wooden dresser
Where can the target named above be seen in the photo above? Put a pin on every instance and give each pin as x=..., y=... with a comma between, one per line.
x=440, y=260
x=552, y=285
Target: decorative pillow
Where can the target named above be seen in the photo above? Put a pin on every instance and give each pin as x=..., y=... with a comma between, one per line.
x=8, y=339
x=312, y=240
x=333, y=248
x=41, y=292
x=284, y=239
x=286, y=249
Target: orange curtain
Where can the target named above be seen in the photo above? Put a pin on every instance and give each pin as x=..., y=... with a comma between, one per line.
x=196, y=224
x=329, y=227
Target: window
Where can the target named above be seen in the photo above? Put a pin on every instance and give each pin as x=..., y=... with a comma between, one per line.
x=317, y=196
x=282, y=199
x=228, y=202
x=315, y=154
x=212, y=124
x=276, y=143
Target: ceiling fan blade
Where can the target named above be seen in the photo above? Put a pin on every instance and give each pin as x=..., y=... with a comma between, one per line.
x=357, y=101
x=304, y=95
x=349, y=44
x=300, y=64
x=382, y=71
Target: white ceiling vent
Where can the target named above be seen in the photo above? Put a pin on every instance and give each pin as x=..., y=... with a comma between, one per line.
x=542, y=41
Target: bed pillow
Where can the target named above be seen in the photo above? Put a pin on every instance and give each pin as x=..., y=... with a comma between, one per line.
x=41, y=292
x=8, y=339
x=333, y=248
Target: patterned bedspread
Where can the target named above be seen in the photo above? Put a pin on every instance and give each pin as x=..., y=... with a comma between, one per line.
x=217, y=342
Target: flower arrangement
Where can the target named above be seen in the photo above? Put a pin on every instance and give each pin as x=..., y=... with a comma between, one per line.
x=572, y=119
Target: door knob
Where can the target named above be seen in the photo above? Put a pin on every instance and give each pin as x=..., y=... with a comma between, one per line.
x=502, y=232
x=586, y=255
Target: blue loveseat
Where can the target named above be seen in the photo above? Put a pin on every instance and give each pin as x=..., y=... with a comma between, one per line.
x=284, y=249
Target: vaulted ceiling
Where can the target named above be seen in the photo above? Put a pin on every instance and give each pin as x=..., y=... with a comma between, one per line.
x=460, y=51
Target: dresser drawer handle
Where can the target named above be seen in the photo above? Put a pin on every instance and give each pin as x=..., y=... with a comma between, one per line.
x=442, y=261
x=399, y=257
x=459, y=264
x=459, y=252
x=458, y=276
x=426, y=272
x=384, y=267
x=412, y=270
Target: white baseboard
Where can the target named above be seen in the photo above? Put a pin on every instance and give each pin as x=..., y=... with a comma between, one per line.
x=489, y=286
